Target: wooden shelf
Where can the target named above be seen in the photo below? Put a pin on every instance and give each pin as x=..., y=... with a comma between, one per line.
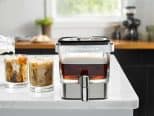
x=133, y=45
x=36, y=45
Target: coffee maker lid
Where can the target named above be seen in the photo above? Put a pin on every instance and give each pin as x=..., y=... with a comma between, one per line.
x=94, y=40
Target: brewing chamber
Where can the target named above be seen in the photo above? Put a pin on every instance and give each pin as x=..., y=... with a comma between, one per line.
x=84, y=66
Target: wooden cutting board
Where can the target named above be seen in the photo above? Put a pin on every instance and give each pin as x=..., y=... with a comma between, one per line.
x=34, y=45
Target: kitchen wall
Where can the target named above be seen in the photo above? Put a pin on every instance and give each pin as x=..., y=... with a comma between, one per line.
x=17, y=19
x=17, y=16
x=145, y=13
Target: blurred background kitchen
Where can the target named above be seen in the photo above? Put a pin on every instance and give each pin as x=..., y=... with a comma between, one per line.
x=22, y=23
x=18, y=16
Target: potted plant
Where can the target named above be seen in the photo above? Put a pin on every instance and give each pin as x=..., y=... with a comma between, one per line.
x=45, y=24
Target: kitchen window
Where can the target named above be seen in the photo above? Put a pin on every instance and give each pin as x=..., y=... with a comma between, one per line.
x=80, y=10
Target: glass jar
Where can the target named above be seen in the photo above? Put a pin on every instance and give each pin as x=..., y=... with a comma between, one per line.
x=84, y=56
x=16, y=70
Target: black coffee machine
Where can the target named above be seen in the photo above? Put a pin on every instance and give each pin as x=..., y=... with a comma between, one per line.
x=131, y=24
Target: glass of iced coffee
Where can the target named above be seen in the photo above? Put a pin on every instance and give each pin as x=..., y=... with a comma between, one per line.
x=16, y=71
x=41, y=74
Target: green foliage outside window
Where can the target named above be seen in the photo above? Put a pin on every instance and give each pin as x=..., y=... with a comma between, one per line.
x=87, y=7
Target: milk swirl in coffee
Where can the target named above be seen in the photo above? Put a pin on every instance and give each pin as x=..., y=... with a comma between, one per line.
x=16, y=69
x=40, y=72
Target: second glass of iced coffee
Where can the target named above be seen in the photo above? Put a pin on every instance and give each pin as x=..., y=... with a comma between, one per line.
x=41, y=74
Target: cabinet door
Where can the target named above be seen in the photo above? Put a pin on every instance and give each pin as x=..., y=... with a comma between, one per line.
x=129, y=57
x=137, y=76
x=150, y=105
x=137, y=73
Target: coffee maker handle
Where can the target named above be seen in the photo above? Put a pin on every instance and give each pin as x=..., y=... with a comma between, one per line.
x=112, y=47
x=84, y=82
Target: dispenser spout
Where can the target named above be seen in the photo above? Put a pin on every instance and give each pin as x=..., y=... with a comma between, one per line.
x=84, y=82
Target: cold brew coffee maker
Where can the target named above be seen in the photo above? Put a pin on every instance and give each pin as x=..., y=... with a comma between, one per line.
x=84, y=67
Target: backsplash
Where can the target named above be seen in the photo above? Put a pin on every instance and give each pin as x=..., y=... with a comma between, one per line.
x=16, y=20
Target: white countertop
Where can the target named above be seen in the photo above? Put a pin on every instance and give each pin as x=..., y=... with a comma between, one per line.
x=120, y=94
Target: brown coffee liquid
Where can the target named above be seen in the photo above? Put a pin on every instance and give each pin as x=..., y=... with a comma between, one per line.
x=74, y=71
